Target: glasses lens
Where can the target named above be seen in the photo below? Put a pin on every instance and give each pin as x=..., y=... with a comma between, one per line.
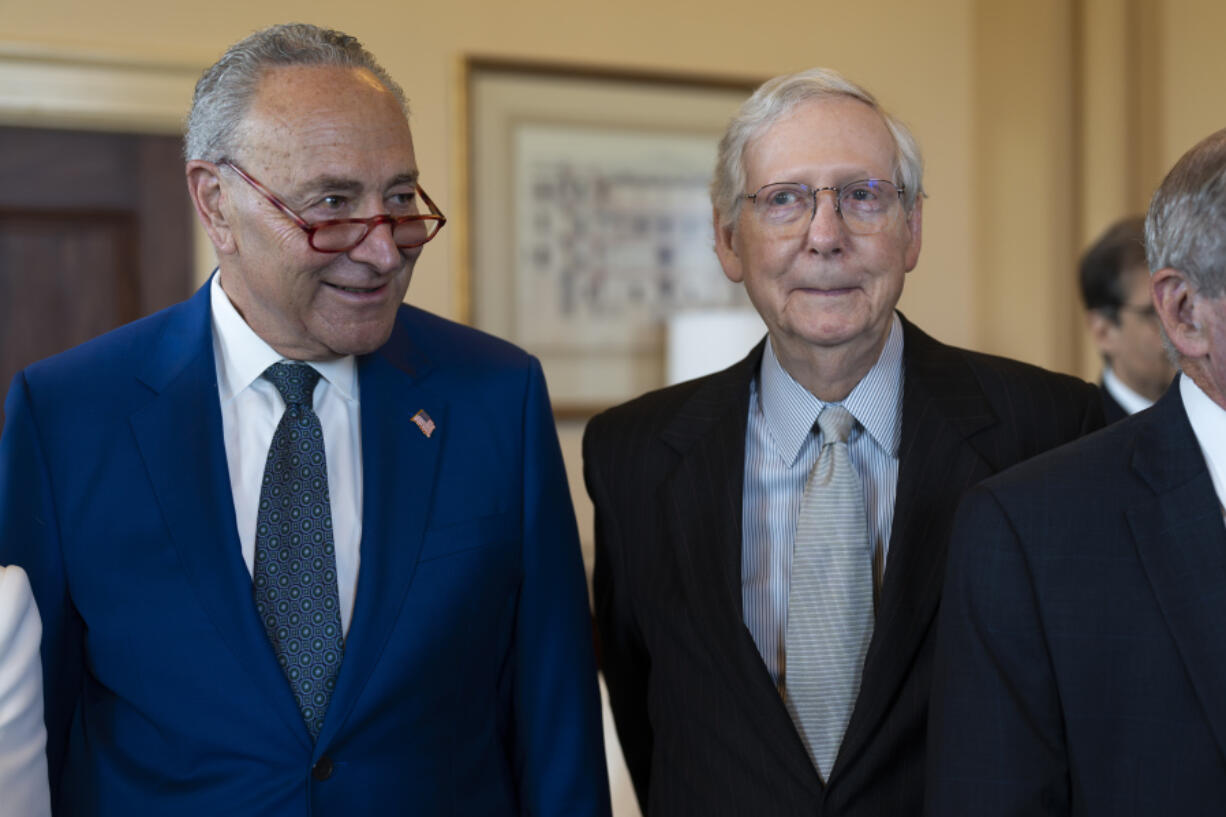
x=868, y=206
x=783, y=204
x=345, y=236
x=415, y=233
x=338, y=237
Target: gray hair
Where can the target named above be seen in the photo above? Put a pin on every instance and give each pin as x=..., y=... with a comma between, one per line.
x=225, y=90
x=1186, y=225
x=778, y=97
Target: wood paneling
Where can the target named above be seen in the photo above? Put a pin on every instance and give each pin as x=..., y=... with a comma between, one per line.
x=95, y=231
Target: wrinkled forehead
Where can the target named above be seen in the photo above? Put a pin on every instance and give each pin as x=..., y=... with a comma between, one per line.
x=308, y=120
x=834, y=129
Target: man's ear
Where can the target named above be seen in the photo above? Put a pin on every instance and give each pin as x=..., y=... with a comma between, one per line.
x=915, y=223
x=204, y=187
x=1178, y=304
x=725, y=249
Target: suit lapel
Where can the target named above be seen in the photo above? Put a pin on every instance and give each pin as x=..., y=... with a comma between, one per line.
x=702, y=502
x=398, y=467
x=1181, y=542
x=943, y=408
x=179, y=434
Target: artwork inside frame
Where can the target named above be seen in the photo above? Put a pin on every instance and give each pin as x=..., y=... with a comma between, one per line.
x=589, y=220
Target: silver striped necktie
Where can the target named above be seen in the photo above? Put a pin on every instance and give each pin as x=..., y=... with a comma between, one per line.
x=830, y=598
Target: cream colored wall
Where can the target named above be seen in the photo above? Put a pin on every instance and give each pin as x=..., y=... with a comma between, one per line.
x=1041, y=122
x=1192, y=67
x=916, y=59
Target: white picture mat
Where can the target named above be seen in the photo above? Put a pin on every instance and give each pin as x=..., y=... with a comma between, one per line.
x=579, y=280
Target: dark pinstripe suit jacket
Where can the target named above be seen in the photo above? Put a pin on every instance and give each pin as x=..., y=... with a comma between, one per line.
x=703, y=728
x=1081, y=659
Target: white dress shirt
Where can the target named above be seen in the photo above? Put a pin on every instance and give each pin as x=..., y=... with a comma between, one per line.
x=781, y=447
x=251, y=408
x=1208, y=421
x=23, y=738
x=1128, y=399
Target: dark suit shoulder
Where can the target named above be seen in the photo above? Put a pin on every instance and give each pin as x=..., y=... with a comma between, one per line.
x=623, y=441
x=651, y=410
x=1001, y=375
x=687, y=407
x=1009, y=409
x=1122, y=467
x=1055, y=407
x=1093, y=464
x=1020, y=372
x=995, y=374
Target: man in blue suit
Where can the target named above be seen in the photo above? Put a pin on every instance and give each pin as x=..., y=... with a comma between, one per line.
x=1082, y=649
x=301, y=549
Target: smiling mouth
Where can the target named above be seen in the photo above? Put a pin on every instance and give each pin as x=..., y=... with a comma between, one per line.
x=356, y=290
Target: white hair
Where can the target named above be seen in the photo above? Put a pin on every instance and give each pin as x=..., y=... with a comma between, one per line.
x=777, y=98
x=1185, y=228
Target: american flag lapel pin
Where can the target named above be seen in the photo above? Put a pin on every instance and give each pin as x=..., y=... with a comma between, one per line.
x=424, y=422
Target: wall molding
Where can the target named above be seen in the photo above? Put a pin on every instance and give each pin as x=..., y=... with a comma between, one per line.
x=55, y=88
x=45, y=87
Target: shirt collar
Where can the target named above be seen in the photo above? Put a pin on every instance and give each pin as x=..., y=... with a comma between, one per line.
x=1128, y=399
x=242, y=355
x=791, y=410
x=1208, y=421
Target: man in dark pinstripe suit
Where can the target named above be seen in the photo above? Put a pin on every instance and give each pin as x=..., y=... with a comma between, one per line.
x=818, y=204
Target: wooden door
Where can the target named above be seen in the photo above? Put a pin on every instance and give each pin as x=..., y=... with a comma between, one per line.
x=95, y=231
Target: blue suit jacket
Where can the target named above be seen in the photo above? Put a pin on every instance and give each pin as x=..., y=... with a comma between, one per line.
x=467, y=686
x=1081, y=659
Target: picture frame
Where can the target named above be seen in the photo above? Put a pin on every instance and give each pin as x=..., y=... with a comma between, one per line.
x=588, y=217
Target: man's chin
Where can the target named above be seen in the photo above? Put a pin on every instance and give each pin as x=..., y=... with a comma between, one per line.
x=354, y=340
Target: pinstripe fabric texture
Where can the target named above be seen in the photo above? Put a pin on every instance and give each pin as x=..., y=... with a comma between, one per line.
x=700, y=719
x=830, y=601
x=1079, y=663
x=780, y=451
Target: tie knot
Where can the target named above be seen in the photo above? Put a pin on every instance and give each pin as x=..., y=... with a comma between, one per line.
x=836, y=423
x=295, y=381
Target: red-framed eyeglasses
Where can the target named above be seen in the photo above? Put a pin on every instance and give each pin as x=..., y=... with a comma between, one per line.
x=343, y=234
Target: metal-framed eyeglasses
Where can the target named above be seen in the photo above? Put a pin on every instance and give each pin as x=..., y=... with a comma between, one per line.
x=866, y=206
x=409, y=229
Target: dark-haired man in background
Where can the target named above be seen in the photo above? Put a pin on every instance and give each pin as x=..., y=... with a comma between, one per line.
x=1114, y=281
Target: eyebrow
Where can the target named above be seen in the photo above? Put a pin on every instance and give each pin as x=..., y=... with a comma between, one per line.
x=341, y=184
x=405, y=178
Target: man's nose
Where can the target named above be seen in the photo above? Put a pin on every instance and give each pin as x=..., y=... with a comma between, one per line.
x=827, y=232
x=378, y=250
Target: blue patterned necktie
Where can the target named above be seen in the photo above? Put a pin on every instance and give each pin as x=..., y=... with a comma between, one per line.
x=295, y=560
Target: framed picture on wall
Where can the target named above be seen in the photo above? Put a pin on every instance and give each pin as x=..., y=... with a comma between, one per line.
x=589, y=221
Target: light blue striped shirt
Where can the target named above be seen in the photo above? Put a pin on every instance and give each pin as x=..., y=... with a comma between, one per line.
x=781, y=446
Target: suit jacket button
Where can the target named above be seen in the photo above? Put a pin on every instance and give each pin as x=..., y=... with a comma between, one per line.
x=323, y=769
